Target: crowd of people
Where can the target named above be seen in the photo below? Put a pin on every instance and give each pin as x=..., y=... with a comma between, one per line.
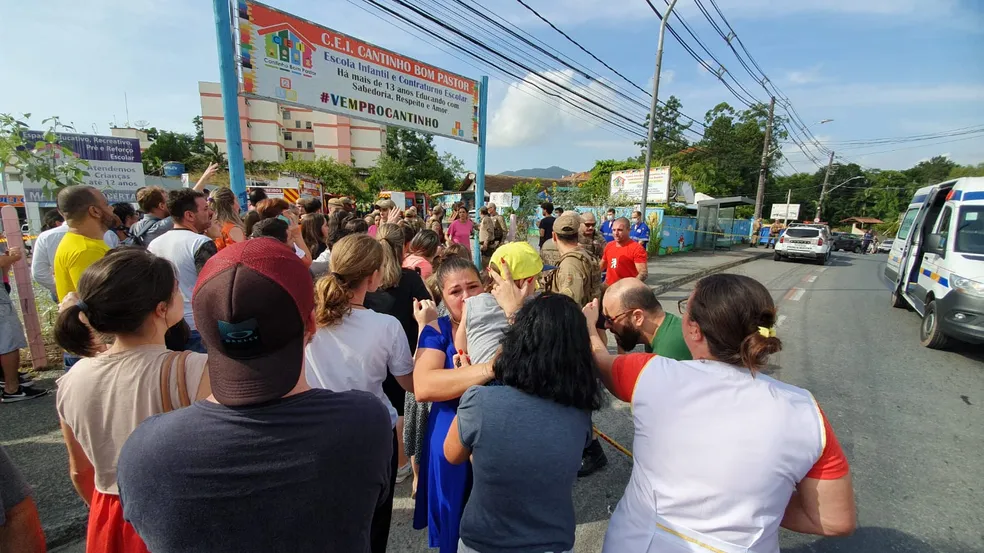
x=263, y=382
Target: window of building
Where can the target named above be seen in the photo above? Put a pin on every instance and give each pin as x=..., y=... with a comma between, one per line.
x=300, y=144
x=310, y=145
x=286, y=115
x=297, y=124
x=307, y=125
x=288, y=136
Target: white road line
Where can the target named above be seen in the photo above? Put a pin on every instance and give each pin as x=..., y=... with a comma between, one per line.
x=797, y=294
x=813, y=278
x=780, y=320
x=822, y=269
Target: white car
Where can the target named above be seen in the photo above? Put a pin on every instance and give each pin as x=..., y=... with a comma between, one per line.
x=804, y=243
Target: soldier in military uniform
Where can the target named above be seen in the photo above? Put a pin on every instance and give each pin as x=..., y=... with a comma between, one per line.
x=578, y=274
x=589, y=238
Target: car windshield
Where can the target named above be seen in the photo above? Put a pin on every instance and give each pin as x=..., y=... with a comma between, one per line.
x=970, y=230
x=801, y=232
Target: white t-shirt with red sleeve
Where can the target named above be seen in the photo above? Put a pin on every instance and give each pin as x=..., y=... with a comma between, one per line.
x=717, y=454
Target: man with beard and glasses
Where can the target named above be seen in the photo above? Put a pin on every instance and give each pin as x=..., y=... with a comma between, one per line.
x=632, y=312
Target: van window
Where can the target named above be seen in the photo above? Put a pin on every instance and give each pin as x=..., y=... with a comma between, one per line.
x=970, y=230
x=906, y=226
x=943, y=225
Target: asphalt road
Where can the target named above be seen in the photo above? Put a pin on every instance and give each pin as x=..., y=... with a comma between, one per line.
x=909, y=419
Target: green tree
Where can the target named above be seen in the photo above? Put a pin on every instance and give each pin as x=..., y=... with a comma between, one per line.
x=43, y=161
x=428, y=186
x=334, y=176
x=967, y=171
x=597, y=189
x=668, y=137
x=933, y=171
x=408, y=157
x=198, y=143
x=169, y=146
x=212, y=154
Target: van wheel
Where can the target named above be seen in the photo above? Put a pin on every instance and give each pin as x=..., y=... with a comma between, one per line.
x=776, y=256
x=857, y=249
x=930, y=335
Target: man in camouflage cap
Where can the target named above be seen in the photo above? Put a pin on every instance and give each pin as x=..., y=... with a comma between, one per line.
x=578, y=274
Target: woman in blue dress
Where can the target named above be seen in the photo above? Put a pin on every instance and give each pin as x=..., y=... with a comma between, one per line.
x=439, y=378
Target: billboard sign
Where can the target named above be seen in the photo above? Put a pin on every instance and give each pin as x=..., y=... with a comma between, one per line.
x=290, y=60
x=785, y=211
x=115, y=166
x=629, y=184
x=501, y=199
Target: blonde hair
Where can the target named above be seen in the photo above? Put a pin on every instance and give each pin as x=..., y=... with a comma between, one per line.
x=390, y=236
x=353, y=259
x=224, y=204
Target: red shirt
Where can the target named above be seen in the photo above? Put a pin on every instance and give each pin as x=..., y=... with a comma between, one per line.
x=620, y=261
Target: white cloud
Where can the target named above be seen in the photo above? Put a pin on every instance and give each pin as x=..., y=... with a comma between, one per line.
x=527, y=115
x=804, y=76
x=855, y=95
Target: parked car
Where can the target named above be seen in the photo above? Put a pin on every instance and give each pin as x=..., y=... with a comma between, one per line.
x=885, y=245
x=846, y=241
x=804, y=243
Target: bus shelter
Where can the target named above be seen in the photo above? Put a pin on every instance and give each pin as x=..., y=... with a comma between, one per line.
x=716, y=222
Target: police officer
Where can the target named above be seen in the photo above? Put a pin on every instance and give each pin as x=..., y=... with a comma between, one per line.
x=590, y=239
x=577, y=275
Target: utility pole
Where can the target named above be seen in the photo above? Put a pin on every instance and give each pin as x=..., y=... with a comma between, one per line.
x=789, y=196
x=652, y=110
x=830, y=167
x=760, y=193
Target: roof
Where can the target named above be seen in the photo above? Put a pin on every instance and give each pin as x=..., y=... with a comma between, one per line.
x=282, y=26
x=726, y=202
x=863, y=220
x=504, y=183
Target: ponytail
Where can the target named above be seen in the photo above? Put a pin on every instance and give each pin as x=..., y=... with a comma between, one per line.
x=391, y=238
x=353, y=260
x=755, y=350
x=72, y=334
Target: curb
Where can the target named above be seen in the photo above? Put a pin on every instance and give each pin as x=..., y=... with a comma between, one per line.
x=673, y=283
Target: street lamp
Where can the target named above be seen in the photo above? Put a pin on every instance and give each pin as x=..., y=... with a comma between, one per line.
x=822, y=121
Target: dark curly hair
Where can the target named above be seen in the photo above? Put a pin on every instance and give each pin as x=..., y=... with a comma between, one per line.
x=547, y=353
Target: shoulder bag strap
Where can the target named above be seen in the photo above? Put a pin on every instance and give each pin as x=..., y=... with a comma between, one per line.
x=183, y=399
x=166, y=381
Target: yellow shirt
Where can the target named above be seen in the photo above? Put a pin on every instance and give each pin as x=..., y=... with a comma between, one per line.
x=74, y=255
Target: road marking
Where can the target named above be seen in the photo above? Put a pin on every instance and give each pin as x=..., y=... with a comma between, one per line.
x=795, y=294
x=813, y=278
x=780, y=320
x=822, y=269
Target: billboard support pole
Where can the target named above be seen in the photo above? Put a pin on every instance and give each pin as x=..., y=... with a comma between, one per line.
x=483, y=100
x=230, y=99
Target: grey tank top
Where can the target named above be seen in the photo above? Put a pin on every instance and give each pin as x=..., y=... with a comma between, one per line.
x=485, y=325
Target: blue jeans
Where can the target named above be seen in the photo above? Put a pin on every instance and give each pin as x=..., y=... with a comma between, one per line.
x=194, y=343
x=69, y=359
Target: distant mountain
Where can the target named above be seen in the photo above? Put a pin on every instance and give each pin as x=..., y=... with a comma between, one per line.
x=539, y=173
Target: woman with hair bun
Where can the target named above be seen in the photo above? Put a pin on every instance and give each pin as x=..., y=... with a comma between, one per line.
x=724, y=455
x=132, y=296
x=356, y=348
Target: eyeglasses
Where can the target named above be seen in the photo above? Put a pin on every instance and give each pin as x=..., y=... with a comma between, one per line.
x=589, y=225
x=610, y=321
x=682, y=305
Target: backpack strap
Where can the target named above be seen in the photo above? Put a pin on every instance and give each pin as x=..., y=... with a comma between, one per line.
x=166, y=381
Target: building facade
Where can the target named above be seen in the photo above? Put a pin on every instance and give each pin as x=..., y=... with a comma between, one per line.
x=277, y=132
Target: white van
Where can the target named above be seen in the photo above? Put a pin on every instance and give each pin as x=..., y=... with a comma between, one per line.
x=937, y=261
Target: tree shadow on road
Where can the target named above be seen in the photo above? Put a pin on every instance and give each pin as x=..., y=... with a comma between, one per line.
x=871, y=539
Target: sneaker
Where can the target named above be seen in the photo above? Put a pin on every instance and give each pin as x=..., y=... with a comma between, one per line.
x=403, y=473
x=22, y=380
x=22, y=394
x=592, y=459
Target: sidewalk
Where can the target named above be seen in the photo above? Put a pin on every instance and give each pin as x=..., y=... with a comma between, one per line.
x=670, y=271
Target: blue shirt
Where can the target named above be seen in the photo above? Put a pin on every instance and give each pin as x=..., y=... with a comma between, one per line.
x=606, y=230
x=639, y=232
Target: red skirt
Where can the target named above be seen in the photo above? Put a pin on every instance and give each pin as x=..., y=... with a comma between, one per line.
x=108, y=532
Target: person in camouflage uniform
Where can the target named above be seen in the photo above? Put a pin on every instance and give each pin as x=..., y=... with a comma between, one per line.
x=589, y=238
x=577, y=274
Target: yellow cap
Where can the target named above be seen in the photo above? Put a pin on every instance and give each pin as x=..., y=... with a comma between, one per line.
x=521, y=258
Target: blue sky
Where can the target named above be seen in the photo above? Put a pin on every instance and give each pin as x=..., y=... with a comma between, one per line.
x=879, y=68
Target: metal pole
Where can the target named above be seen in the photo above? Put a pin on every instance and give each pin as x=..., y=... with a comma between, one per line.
x=483, y=100
x=789, y=196
x=230, y=98
x=652, y=110
x=760, y=193
x=830, y=166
